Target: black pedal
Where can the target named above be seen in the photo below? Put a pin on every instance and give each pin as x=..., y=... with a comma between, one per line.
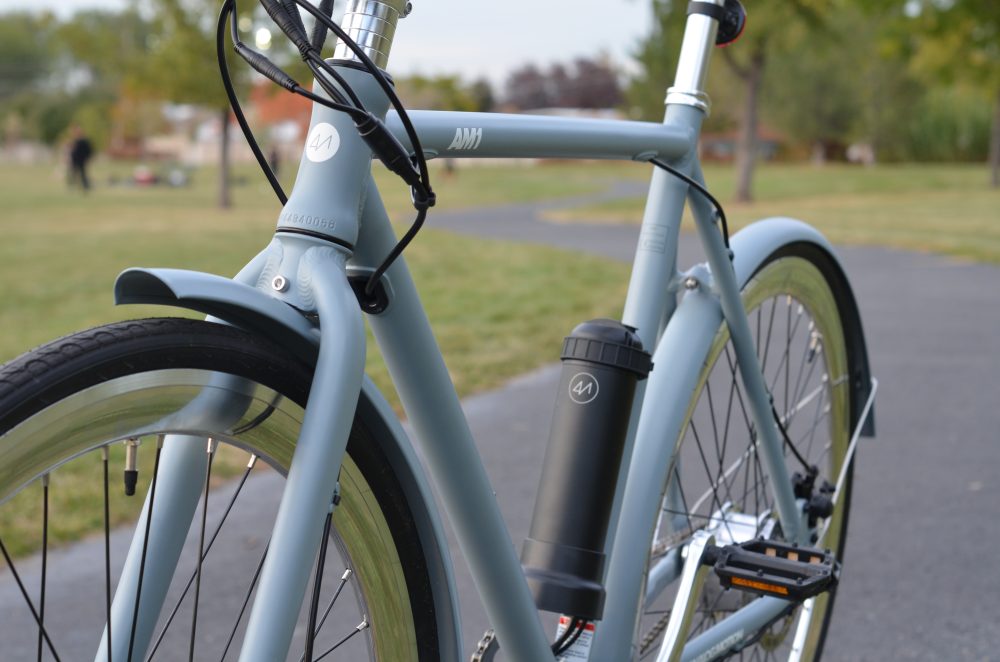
x=780, y=570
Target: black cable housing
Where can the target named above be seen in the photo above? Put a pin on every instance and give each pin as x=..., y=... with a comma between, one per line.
x=701, y=189
x=570, y=636
x=557, y=645
x=228, y=7
x=411, y=167
x=381, y=79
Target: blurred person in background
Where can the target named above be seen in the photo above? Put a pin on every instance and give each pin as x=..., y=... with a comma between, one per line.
x=80, y=152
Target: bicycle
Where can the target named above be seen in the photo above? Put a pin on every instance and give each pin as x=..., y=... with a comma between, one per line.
x=654, y=490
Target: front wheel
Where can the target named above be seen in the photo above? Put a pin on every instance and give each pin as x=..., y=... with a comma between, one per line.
x=717, y=482
x=70, y=413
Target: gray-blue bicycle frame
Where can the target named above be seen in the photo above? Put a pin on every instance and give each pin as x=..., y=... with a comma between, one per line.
x=335, y=223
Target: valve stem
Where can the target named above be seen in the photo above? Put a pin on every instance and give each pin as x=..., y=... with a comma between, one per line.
x=131, y=473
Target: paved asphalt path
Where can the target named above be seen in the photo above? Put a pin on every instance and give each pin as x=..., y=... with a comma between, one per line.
x=921, y=578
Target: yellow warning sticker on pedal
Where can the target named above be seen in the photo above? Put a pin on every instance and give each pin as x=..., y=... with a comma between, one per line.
x=760, y=586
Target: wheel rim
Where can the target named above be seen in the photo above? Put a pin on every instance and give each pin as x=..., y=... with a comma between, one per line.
x=717, y=478
x=66, y=435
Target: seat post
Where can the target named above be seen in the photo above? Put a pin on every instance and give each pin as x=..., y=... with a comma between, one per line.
x=692, y=66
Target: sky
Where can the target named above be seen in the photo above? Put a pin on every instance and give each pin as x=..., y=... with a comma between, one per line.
x=476, y=38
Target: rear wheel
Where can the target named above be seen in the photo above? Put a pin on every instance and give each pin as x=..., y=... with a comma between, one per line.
x=67, y=411
x=717, y=481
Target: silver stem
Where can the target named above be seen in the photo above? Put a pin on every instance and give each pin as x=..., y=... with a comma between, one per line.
x=372, y=24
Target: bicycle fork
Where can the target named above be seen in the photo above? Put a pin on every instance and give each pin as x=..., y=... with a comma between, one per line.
x=320, y=276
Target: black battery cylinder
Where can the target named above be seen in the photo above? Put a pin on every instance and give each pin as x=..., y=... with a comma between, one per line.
x=563, y=557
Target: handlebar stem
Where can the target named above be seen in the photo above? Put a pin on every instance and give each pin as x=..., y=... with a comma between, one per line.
x=372, y=24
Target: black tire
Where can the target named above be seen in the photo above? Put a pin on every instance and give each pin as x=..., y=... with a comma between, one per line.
x=66, y=401
x=716, y=479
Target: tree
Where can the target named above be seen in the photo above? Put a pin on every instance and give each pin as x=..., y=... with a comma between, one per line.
x=585, y=83
x=106, y=49
x=482, y=95
x=833, y=91
x=767, y=36
x=657, y=55
x=526, y=88
x=958, y=41
x=25, y=57
x=592, y=84
x=182, y=67
x=442, y=93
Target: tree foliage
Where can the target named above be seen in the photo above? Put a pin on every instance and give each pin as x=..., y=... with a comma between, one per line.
x=181, y=65
x=958, y=42
x=25, y=57
x=901, y=76
x=585, y=83
x=444, y=93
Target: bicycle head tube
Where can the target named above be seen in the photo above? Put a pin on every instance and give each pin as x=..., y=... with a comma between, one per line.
x=330, y=186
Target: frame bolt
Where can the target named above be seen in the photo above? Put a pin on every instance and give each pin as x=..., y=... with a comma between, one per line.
x=691, y=283
x=279, y=284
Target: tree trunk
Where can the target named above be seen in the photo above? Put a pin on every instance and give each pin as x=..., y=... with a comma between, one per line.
x=995, y=145
x=225, y=201
x=746, y=147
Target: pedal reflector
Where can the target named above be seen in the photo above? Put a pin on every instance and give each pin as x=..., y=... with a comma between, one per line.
x=766, y=567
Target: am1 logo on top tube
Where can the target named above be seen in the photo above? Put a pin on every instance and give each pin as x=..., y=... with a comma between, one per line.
x=466, y=138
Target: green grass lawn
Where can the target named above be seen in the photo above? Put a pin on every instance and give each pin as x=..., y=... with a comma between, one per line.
x=941, y=208
x=498, y=309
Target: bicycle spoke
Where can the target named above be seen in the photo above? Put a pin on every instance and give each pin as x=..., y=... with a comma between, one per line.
x=767, y=341
x=107, y=551
x=821, y=413
x=791, y=331
x=314, y=602
x=210, y=451
x=716, y=503
x=45, y=560
x=145, y=547
x=802, y=364
x=326, y=613
x=246, y=601
x=27, y=599
x=680, y=490
x=358, y=628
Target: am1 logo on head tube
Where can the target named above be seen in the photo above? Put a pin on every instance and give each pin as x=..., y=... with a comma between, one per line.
x=583, y=388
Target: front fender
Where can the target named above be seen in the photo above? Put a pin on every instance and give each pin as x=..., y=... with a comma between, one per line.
x=256, y=312
x=761, y=240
